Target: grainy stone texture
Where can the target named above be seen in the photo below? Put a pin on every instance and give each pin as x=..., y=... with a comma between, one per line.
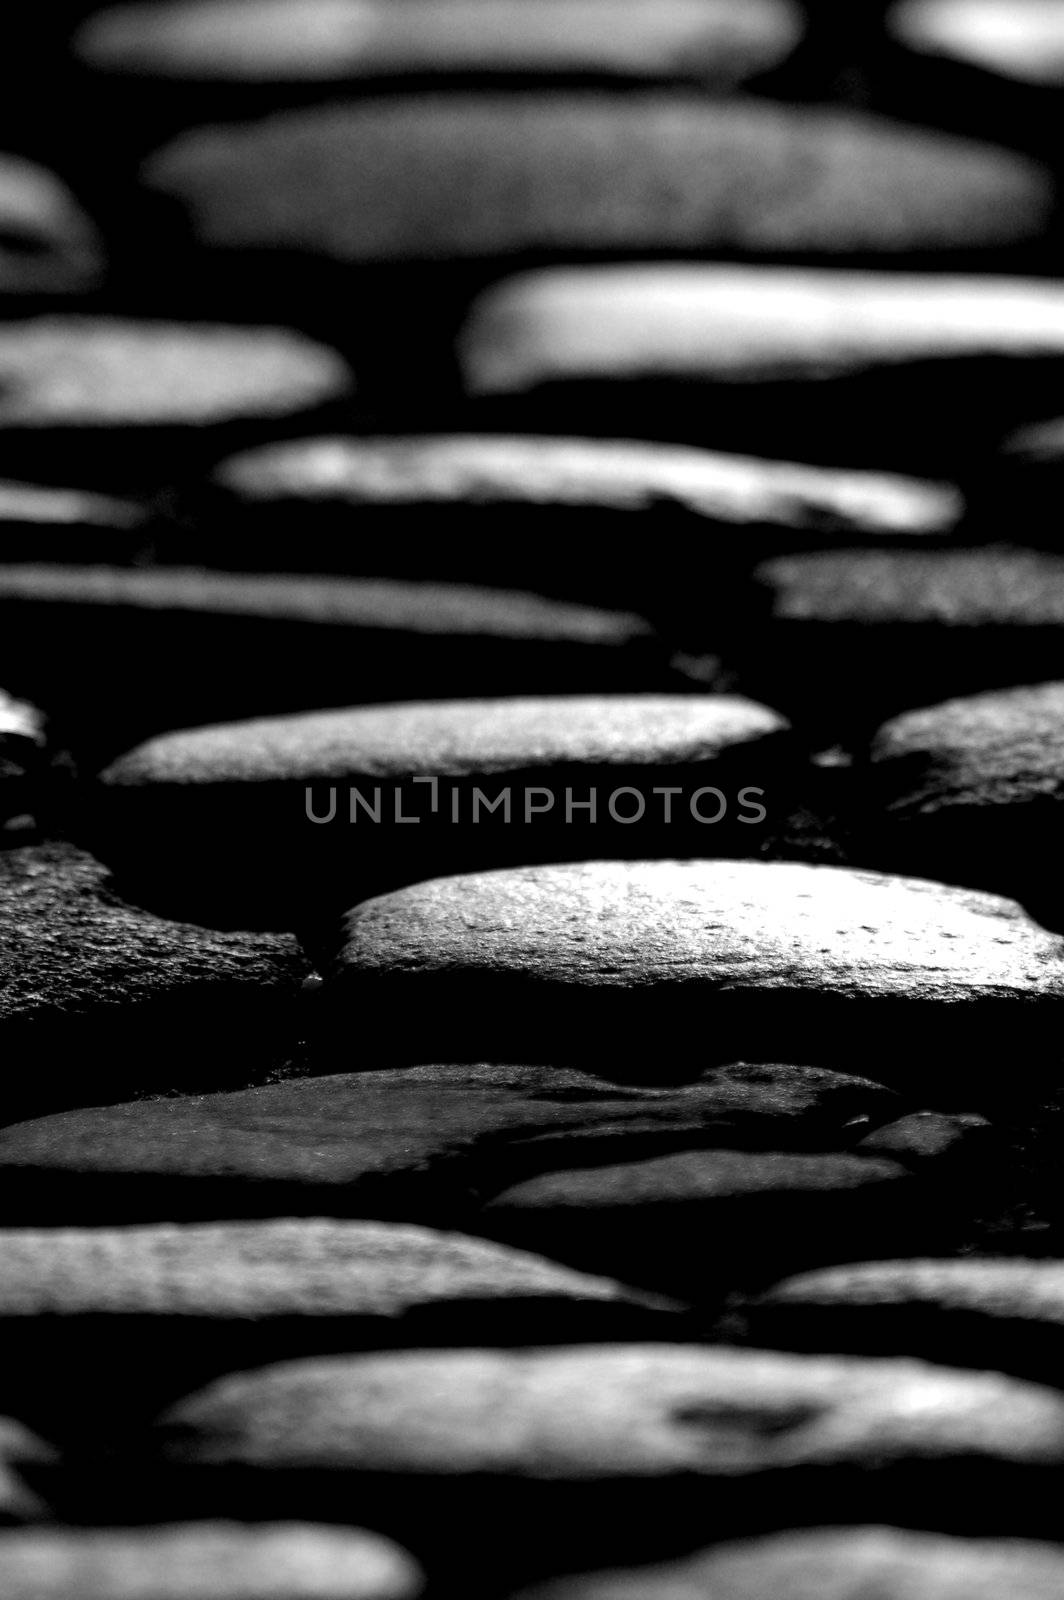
x=1021, y=39
x=628, y=1438
x=835, y=1564
x=477, y=176
x=101, y=998
x=336, y=41
x=48, y=246
x=720, y=324
x=749, y=1210
x=417, y=1142
x=847, y=967
x=976, y=788
x=229, y=795
x=216, y=645
x=225, y=1561
x=928, y=1136
x=986, y=1312
x=463, y=472
x=912, y=627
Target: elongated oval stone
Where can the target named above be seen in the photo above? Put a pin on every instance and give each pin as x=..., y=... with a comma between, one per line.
x=844, y=965
x=337, y=41
x=463, y=177
x=728, y=325
x=186, y=1561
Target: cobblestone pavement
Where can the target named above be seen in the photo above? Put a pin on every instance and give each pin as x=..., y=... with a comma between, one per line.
x=531, y=800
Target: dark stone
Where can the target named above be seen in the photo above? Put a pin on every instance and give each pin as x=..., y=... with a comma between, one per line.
x=417, y=1143
x=101, y=999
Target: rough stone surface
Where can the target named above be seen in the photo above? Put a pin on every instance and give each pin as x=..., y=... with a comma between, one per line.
x=100, y=997
x=48, y=245
x=333, y=41
x=413, y=1142
x=975, y=786
x=927, y=1136
x=913, y=626
x=1021, y=39
x=750, y=1210
x=286, y=1561
x=104, y=372
x=729, y=325
x=476, y=176
x=665, y=1420
x=587, y=475
x=996, y=1312
x=844, y=965
x=835, y=1564
x=218, y=644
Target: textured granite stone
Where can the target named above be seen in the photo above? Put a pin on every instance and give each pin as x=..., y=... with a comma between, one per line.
x=913, y=627
x=48, y=246
x=627, y=959
x=285, y=1561
x=925, y=1136
x=736, y=324
x=415, y=1142
x=975, y=786
x=330, y=42
x=476, y=176
x=1021, y=39
x=999, y=1313
x=835, y=1564
x=101, y=998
